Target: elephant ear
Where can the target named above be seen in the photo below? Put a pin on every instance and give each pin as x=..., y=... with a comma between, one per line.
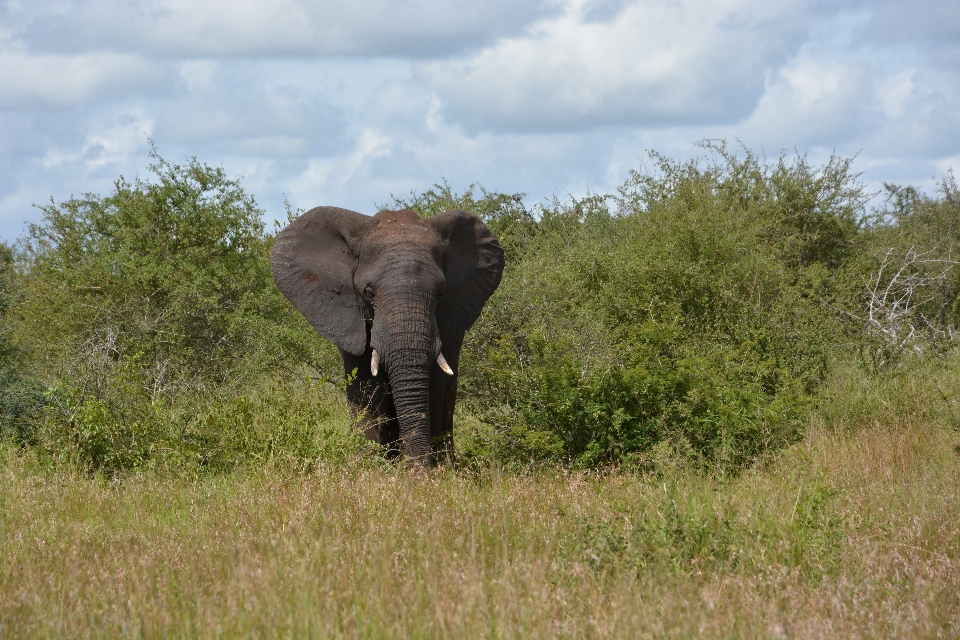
x=473, y=267
x=313, y=261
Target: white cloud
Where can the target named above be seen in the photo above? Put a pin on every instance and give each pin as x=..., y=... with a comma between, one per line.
x=246, y=107
x=218, y=28
x=297, y=98
x=894, y=92
x=62, y=155
x=920, y=115
x=197, y=75
x=60, y=81
x=809, y=103
x=654, y=62
x=326, y=180
x=114, y=144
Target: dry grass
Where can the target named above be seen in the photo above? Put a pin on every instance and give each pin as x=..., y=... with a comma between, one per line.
x=843, y=536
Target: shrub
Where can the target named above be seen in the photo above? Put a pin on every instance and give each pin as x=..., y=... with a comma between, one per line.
x=146, y=307
x=289, y=422
x=175, y=270
x=689, y=310
x=21, y=396
x=909, y=300
x=693, y=315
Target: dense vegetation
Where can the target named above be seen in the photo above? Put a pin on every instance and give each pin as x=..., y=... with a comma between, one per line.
x=694, y=315
x=698, y=311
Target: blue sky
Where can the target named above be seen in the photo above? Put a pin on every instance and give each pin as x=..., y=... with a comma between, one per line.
x=346, y=103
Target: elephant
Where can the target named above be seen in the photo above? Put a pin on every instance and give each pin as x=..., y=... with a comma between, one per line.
x=395, y=293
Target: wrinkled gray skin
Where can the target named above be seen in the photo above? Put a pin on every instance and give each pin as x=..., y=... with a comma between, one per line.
x=405, y=287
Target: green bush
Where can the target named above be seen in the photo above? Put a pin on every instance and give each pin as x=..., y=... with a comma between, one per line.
x=689, y=309
x=681, y=527
x=144, y=308
x=693, y=315
x=175, y=270
x=293, y=423
x=286, y=422
x=909, y=302
x=21, y=396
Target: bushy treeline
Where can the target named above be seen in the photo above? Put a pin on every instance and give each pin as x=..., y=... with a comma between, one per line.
x=150, y=321
x=694, y=313
x=697, y=311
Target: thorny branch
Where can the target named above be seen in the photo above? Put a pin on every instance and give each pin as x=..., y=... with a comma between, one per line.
x=897, y=293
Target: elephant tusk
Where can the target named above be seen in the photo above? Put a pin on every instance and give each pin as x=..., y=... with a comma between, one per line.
x=375, y=363
x=443, y=365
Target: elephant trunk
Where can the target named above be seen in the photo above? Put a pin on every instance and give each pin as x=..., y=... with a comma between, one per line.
x=411, y=397
x=408, y=349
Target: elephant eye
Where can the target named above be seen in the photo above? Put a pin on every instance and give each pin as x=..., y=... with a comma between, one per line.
x=368, y=292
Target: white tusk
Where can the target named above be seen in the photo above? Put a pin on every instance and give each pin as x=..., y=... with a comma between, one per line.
x=375, y=363
x=443, y=365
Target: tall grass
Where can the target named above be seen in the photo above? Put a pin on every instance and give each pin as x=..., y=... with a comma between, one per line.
x=852, y=532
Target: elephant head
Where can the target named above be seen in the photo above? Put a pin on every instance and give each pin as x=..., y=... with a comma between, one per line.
x=395, y=293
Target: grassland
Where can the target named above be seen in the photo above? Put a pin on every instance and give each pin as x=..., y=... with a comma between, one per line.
x=721, y=402
x=854, y=532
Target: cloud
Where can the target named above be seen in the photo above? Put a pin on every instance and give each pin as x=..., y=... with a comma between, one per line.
x=230, y=28
x=893, y=93
x=916, y=114
x=329, y=178
x=234, y=106
x=932, y=26
x=809, y=103
x=854, y=88
x=65, y=153
x=345, y=103
x=407, y=145
x=51, y=81
x=652, y=63
x=115, y=144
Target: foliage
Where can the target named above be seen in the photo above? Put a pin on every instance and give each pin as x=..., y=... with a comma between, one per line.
x=292, y=424
x=692, y=315
x=145, y=308
x=21, y=396
x=686, y=310
x=174, y=270
x=911, y=297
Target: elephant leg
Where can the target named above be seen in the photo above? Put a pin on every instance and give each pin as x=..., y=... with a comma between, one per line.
x=383, y=430
x=371, y=403
x=443, y=402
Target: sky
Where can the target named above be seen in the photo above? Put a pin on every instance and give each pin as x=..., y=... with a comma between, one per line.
x=348, y=103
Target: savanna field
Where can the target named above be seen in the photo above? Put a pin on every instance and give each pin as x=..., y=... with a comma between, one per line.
x=721, y=402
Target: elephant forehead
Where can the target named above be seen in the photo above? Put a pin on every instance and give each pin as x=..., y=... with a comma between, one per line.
x=397, y=231
x=402, y=216
x=408, y=253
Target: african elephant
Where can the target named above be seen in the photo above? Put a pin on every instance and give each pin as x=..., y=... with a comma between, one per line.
x=395, y=294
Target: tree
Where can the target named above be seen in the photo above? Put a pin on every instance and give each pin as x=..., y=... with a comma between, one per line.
x=172, y=271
